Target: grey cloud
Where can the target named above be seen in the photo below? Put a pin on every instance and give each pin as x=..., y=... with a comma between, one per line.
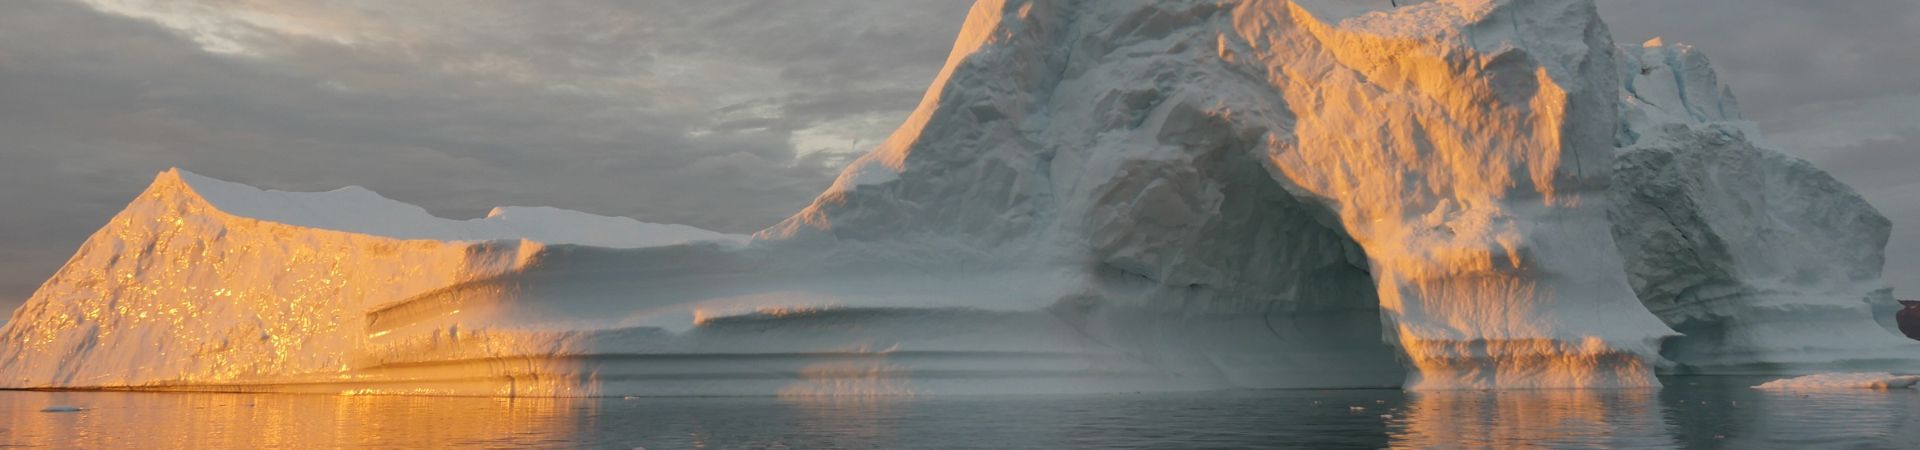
x=604, y=107
x=1879, y=163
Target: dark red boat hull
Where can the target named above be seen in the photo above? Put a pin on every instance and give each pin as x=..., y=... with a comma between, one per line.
x=1909, y=318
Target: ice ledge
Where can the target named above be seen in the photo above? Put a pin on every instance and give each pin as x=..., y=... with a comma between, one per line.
x=354, y=209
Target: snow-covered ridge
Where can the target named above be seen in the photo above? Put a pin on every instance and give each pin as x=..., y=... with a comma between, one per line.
x=355, y=209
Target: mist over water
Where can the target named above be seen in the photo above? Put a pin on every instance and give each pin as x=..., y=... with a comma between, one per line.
x=1691, y=412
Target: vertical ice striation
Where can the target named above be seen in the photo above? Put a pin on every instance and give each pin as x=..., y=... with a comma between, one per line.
x=1452, y=154
x=1468, y=157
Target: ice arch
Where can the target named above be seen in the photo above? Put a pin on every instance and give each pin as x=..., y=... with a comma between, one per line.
x=1464, y=146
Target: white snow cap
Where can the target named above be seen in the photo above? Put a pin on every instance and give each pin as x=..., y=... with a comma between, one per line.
x=355, y=209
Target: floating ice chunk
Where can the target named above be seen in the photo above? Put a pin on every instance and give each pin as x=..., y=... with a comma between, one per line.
x=1871, y=380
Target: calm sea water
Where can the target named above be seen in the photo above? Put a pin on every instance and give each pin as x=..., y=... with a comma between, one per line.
x=1697, y=412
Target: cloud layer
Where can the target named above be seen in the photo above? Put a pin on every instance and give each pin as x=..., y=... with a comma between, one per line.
x=724, y=114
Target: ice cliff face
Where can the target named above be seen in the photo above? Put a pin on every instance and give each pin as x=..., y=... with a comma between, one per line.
x=1444, y=162
x=204, y=284
x=1762, y=261
x=201, y=280
x=1093, y=196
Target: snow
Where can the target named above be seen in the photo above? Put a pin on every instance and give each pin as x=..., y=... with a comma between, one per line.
x=1092, y=197
x=201, y=280
x=357, y=210
x=1829, y=381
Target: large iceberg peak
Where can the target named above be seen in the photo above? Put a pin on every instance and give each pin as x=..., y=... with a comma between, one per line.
x=1446, y=161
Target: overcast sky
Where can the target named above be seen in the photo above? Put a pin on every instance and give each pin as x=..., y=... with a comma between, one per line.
x=723, y=114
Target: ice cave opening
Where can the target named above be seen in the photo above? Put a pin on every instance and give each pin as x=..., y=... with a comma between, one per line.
x=1220, y=268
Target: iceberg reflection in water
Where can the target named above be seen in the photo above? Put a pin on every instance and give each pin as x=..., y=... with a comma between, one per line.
x=1629, y=418
x=1697, y=412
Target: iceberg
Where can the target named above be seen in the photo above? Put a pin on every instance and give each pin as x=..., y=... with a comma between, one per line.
x=1830, y=381
x=200, y=279
x=1442, y=166
x=1091, y=197
x=1763, y=262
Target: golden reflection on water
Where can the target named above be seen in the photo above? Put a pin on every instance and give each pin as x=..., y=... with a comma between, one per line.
x=849, y=379
x=1689, y=413
x=200, y=420
x=1628, y=418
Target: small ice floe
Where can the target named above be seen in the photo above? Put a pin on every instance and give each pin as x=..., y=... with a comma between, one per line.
x=60, y=409
x=1828, y=381
x=1356, y=408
